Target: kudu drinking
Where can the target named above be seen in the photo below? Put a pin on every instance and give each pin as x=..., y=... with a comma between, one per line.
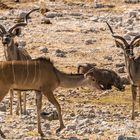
x=42, y=76
x=104, y=77
x=132, y=63
x=12, y=52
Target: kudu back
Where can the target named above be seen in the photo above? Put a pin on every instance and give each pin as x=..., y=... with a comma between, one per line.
x=42, y=76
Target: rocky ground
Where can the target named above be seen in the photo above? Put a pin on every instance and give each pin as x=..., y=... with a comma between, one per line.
x=78, y=34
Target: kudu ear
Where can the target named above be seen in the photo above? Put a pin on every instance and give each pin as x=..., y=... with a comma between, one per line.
x=119, y=44
x=16, y=32
x=136, y=43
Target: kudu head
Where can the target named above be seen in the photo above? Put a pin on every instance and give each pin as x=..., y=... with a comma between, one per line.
x=128, y=48
x=8, y=36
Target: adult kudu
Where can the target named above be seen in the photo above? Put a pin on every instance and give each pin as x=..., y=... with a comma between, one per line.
x=43, y=77
x=132, y=63
x=12, y=52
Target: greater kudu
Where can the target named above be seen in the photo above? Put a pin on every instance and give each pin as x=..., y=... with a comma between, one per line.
x=42, y=76
x=12, y=52
x=105, y=78
x=132, y=63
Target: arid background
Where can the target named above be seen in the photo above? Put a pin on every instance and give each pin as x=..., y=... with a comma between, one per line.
x=78, y=34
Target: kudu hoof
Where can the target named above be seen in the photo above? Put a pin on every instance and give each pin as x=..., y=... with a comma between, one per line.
x=17, y=113
x=59, y=129
x=132, y=118
x=24, y=113
x=41, y=134
x=2, y=135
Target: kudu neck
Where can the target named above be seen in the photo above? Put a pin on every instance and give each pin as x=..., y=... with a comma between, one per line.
x=11, y=51
x=71, y=80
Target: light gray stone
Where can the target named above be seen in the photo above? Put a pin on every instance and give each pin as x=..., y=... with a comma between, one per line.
x=90, y=41
x=43, y=49
x=133, y=33
x=60, y=53
x=127, y=37
x=2, y=107
x=53, y=14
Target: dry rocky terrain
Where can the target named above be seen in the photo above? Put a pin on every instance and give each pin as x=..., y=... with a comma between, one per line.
x=78, y=34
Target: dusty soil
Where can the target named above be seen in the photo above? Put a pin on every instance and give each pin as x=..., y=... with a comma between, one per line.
x=69, y=33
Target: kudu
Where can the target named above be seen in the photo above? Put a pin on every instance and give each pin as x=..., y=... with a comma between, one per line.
x=104, y=77
x=42, y=76
x=12, y=52
x=132, y=63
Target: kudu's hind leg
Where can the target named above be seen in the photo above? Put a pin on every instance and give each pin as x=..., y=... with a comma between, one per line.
x=24, y=103
x=19, y=104
x=2, y=95
x=134, y=95
x=39, y=106
x=11, y=101
x=52, y=99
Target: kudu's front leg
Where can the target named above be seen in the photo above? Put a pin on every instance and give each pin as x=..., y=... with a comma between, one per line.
x=134, y=95
x=139, y=96
x=39, y=106
x=53, y=100
x=11, y=101
x=19, y=103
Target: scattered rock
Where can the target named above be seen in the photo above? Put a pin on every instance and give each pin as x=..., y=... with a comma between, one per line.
x=2, y=107
x=59, y=53
x=127, y=37
x=132, y=14
x=95, y=19
x=76, y=14
x=121, y=70
x=108, y=58
x=71, y=127
x=50, y=116
x=131, y=1
x=53, y=15
x=45, y=21
x=133, y=33
x=90, y=41
x=3, y=18
x=43, y=49
x=126, y=138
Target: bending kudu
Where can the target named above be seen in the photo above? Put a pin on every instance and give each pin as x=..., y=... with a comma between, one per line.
x=132, y=63
x=104, y=77
x=12, y=52
x=42, y=76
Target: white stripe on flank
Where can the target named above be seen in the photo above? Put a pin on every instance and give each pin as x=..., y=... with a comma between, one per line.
x=39, y=73
x=27, y=72
x=13, y=72
x=35, y=74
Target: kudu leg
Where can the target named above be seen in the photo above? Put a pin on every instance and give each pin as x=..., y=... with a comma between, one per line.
x=19, y=103
x=24, y=103
x=39, y=106
x=52, y=99
x=11, y=101
x=139, y=96
x=134, y=95
x=2, y=95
